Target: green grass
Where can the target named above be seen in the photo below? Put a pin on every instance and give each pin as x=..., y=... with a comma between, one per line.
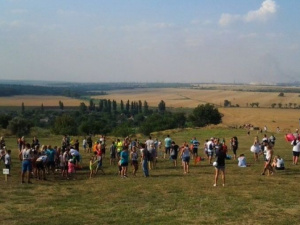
x=166, y=197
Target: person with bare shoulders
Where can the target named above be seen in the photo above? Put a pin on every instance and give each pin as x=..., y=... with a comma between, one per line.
x=268, y=162
x=185, y=155
x=220, y=165
x=255, y=148
x=25, y=156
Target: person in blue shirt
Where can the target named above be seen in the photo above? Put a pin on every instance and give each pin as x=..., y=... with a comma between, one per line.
x=124, y=156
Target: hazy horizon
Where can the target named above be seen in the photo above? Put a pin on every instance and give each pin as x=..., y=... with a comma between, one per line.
x=150, y=41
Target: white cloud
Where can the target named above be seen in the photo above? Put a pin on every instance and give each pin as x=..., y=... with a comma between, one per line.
x=227, y=19
x=267, y=9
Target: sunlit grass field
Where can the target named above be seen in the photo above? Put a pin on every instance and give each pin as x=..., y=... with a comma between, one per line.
x=166, y=197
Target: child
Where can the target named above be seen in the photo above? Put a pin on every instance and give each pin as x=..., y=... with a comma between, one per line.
x=278, y=163
x=65, y=158
x=242, y=161
x=93, y=164
x=71, y=167
x=7, y=160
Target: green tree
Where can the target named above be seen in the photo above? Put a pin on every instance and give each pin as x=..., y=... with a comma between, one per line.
x=42, y=107
x=273, y=105
x=23, y=108
x=162, y=106
x=91, y=105
x=82, y=107
x=281, y=94
x=204, y=115
x=127, y=106
x=4, y=120
x=65, y=124
x=114, y=105
x=61, y=105
x=19, y=126
x=227, y=103
x=122, y=106
x=101, y=105
x=146, y=107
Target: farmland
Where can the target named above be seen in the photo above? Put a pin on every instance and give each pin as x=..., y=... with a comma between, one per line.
x=168, y=196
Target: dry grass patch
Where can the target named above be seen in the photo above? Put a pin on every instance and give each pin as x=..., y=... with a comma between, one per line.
x=35, y=100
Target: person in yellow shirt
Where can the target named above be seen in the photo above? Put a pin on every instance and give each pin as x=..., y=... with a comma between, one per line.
x=119, y=145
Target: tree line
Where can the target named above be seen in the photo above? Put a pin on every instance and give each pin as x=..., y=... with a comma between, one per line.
x=106, y=116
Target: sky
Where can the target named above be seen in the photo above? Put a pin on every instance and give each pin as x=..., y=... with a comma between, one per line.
x=190, y=41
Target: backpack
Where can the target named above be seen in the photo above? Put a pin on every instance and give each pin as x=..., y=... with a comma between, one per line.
x=210, y=147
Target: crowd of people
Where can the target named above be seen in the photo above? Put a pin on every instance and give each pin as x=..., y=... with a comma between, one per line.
x=40, y=160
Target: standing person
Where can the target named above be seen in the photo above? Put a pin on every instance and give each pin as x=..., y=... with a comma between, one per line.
x=150, y=147
x=220, y=166
x=206, y=149
x=84, y=144
x=168, y=142
x=93, y=164
x=296, y=150
x=102, y=141
x=2, y=142
x=235, y=145
x=50, y=152
x=89, y=142
x=195, y=144
x=112, y=153
x=134, y=160
x=76, y=145
x=210, y=149
x=185, y=155
x=25, y=156
x=174, y=152
x=144, y=158
x=65, y=159
x=119, y=146
x=21, y=143
x=272, y=139
x=124, y=156
x=255, y=148
x=35, y=142
x=268, y=161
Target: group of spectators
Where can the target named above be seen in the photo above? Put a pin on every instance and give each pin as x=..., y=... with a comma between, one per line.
x=40, y=160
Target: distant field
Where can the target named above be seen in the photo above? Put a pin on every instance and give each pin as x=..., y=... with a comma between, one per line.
x=285, y=118
x=190, y=98
x=175, y=97
x=34, y=100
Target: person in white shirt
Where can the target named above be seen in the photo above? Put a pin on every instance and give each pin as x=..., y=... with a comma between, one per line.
x=296, y=151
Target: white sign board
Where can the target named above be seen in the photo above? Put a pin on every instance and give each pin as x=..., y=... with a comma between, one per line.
x=5, y=171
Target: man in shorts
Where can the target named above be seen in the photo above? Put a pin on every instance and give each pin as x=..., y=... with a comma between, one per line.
x=168, y=143
x=25, y=156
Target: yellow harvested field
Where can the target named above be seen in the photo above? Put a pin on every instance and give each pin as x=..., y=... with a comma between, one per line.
x=34, y=100
x=264, y=115
x=180, y=97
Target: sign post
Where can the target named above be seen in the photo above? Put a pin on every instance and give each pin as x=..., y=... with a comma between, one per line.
x=6, y=172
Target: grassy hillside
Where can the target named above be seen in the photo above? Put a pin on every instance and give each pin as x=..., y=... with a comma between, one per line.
x=166, y=197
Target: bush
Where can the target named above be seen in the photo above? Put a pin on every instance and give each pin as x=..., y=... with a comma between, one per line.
x=19, y=126
x=204, y=115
